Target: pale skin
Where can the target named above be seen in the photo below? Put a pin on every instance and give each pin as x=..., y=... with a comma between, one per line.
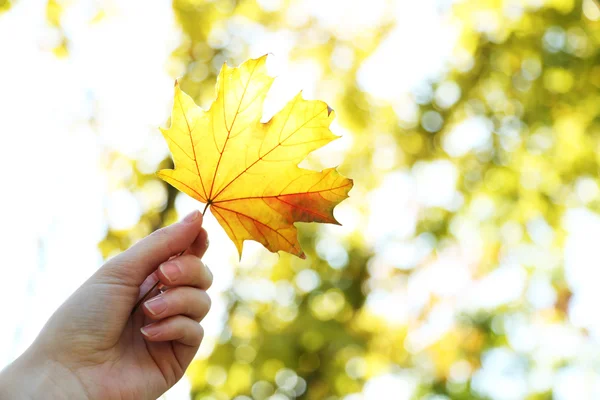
x=94, y=348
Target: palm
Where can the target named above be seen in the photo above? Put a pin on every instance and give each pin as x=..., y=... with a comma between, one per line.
x=139, y=369
x=101, y=343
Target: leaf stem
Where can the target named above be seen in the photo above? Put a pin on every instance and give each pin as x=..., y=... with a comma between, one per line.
x=158, y=284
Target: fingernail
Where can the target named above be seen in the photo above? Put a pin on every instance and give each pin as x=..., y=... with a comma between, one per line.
x=150, y=330
x=207, y=242
x=156, y=305
x=171, y=271
x=191, y=216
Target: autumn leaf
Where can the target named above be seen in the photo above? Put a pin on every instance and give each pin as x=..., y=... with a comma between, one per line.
x=247, y=171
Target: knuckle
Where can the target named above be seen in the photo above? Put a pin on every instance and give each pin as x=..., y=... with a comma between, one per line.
x=202, y=308
x=179, y=324
x=115, y=271
x=181, y=321
x=194, y=271
x=208, y=301
x=208, y=275
x=163, y=236
x=187, y=263
x=202, y=303
x=188, y=309
x=197, y=334
x=179, y=300
x=160, y=234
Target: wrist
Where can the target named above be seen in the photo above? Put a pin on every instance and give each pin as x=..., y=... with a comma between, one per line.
x=33, y=376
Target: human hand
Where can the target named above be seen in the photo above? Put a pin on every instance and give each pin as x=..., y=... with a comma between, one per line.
x=93, y=348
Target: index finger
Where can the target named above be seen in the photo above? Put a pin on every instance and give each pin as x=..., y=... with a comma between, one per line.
x=135, y=264
x=199, y=245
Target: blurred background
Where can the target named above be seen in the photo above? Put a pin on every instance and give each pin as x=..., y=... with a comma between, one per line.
x=466, y=266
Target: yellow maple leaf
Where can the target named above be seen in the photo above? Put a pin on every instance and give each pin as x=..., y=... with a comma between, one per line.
x=247, y=171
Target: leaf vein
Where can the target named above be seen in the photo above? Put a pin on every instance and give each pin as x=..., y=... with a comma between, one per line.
x=279, y=195
x=257, y=221
x=261, y=157
x=192, y=143
x=229, y=130
x=186, y=185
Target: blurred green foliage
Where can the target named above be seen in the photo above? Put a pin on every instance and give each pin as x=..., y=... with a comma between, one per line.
x=4, y=5
x=527, y=71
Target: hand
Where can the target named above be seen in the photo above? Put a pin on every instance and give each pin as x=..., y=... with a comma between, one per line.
x=92, y=348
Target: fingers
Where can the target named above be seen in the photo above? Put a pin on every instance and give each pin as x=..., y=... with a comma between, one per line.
x=133, y=266
x=185, y=301
x=199, y=246
x=186, y=270
x=178, y=328
x=188, y=301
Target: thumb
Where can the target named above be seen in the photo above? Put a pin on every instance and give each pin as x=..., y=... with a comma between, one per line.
x=135, y=264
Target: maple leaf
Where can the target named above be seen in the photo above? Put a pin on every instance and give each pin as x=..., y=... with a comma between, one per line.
x=247, y=171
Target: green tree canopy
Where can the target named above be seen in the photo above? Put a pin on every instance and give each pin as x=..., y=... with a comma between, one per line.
x=457, y=271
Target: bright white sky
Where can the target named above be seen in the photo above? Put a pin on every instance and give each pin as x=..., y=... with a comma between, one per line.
x=58, y=199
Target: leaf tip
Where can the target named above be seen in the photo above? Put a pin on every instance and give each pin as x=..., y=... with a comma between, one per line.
x=329, y=110
x=239, y=245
